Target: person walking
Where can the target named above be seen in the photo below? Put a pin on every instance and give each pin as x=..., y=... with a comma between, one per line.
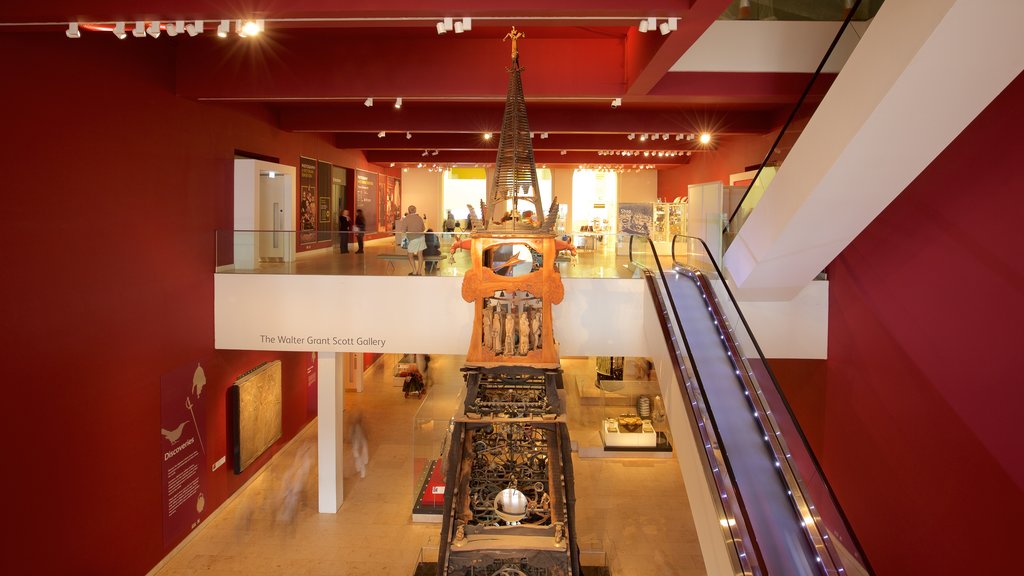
x=360, y=229
x=360, y=447
x=413, y=227
x=345, y=229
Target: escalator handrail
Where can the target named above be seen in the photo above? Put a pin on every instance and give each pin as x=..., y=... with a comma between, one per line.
x=862, y=557
x=792, y=114
x=751, y=560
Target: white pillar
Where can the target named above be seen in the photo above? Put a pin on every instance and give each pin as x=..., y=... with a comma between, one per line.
x=357, y=370
x=330, y=439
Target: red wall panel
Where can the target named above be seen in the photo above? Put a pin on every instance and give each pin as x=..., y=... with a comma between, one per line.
x=113, y=189
x=922, y=398
x=733, y=154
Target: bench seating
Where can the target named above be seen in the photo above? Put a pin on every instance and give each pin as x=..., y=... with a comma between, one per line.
x=392, y=257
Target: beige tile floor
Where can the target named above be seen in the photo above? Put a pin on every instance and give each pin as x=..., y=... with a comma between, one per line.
x=634, y=510
x=595, y=260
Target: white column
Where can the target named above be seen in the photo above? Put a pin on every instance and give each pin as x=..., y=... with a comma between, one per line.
x=357, y=370
x=330, y=439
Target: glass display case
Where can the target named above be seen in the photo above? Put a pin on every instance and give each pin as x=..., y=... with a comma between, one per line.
x=431, y=436
x=669, y=220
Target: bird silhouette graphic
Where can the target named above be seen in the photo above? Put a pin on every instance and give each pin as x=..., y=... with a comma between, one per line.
x=173, y=435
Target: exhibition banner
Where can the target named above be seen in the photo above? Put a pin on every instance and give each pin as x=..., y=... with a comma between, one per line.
x=307, y=201
x=635, y=219
x=390, y=207
x=183, y=452
x=366, y=198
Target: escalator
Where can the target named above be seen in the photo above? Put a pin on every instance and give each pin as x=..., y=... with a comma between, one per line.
x=778, y=510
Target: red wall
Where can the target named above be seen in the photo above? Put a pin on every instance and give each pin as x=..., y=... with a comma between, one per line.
x=732, y=155
x=922, y=393
x=113, y=187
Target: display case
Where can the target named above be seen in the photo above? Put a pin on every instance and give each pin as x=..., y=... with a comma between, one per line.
x=623, y=398
x=431, y=436
x=669, y=220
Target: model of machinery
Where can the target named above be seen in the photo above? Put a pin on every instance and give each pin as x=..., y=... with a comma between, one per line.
x=509, y=502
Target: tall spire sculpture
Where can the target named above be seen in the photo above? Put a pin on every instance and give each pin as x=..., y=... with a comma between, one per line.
x=515, y=187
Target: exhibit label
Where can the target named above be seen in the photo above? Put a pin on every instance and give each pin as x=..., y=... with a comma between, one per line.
x=323, y=340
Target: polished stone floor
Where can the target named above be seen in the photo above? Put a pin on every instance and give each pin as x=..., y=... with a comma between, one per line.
x=633, y=514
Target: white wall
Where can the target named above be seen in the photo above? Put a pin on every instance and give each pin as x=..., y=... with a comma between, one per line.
x=638, y=186
x=375, y=314
x=422, y=189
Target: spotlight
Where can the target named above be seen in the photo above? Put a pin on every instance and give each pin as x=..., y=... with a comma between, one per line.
x=655, y=136
x=673, y=24
x=271, y=174
x=153, y=29
x=664, y=136
x=705, y=138
x=440, y=28
x=616, y=102
x=224, y=28
x=408, y=135
x=487, y=135
x=368, y=102
x=663, y=28
x=392, y=165
x=449, y=24
x=679, y=137
x=643, y=27
x=249, y=28
x=398, y=102
x=631, y=136
x=467, y=24
x=563, y=152
x=543, y=135
x=458, y=28
x=119, y=30
x=425, y=153
x=194, y=28
x=72, y=31
x=435, y=152
x=139, y=31
x=643, y=137
x=532, y=134
x=381, y=134
x=173, y=28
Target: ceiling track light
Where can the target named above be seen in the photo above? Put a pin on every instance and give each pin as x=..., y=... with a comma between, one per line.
x=224, y=28
x=632, y=136
x=425, y=153
x=643, y=26
x=408, y=135
x=398, y=102
x=543, y=135
x=440, y=28
x=139, y=31
x=381, y=134
x=458, y=27
x=194, y=28
x=154, y=29
x=249, y=27
x=119, y=30
x=435, y=152
x=467, y=24
x=173, y=28
x=72, y=31
x=616, y=102
x=368, y=102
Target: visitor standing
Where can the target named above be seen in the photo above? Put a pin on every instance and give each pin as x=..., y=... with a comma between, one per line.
x=345, y=228
x=413, y=227
x=360, y=229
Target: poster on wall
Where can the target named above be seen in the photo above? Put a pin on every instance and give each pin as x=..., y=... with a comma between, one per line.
x=183, y=451
x=366, y=198
x=307, y=200
x=324, y=173
x=635, y=219
x=390, y=207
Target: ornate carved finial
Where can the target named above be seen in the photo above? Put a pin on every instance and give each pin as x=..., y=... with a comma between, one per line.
x=515, y=35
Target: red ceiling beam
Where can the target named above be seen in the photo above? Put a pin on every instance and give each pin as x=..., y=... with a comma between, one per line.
x=478, y=118
x=650, y=56
x=556, y=142
x=328, y=64
x=106, y=10
x=485, y=157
